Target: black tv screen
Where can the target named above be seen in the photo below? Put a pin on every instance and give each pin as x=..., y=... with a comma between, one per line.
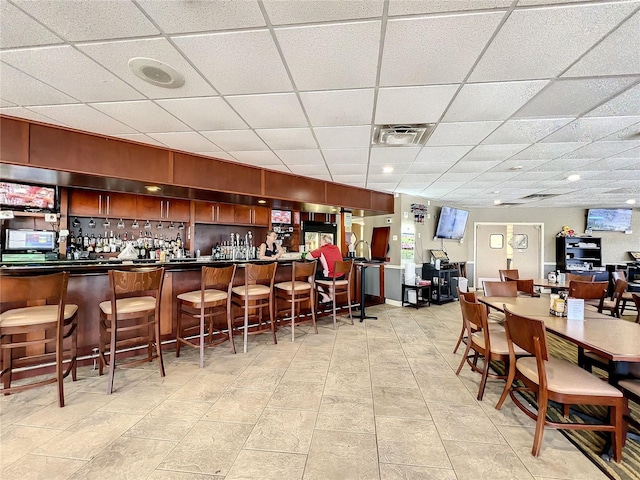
x=609, y=219
x=18, y=196
x=452, y=223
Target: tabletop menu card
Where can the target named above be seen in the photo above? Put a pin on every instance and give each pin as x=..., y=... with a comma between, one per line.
x=575, y=309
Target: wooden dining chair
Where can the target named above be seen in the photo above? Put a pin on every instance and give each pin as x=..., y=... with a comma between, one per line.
x=593, y=293
x=300, y=290
x=524, y=286
x=254, y=296
x=469, y=297
x=211, y=301
x=485, y=342
x=556, y=380
x=512, y=274
x=627, y=297
x=131, y=319
x=612, y=305
x=500, y=289
x=631, y=389
x=572, y=277
x=35, y=324
x=340, y=286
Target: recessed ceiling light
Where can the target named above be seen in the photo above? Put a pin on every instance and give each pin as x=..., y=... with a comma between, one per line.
x=156, y=72
x=262, y=201
x=387, y=170
x=517, y=167
x=497, y=202
x=631, y=201
x=496, y=192
x=573, y=178
x=152, y=188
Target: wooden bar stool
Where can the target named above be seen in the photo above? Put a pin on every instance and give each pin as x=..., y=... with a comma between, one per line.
x=212, y=300
x=131, y=318
x=298, y=291
x=255, y=295
x=340, y=285
x=34, y=323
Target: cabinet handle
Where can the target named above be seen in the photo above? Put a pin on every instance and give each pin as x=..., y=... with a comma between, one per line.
x=108, y=211
x=99, y=204
x=167, y=212
x=161, y=209
x=217, y=213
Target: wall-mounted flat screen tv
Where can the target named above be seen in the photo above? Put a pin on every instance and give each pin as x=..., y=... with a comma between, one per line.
x=30, y=240
x=281, y=216
x=609, y=219
x=452, y=223
x=30, y=198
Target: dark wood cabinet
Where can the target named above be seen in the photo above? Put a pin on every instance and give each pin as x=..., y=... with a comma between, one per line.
x=248, y=215
x=90, y=203
x=318, y=217
x=572, y=253
x=154, y=208
x=208, y=212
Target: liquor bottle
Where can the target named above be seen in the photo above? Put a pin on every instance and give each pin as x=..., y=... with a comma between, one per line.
x=72, y=239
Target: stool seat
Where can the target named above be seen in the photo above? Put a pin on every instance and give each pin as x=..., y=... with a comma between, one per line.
x=22, y=317
x=251, y=290
x=329, y=283
x=129, y=305
x=210, y=296
x=296, y=286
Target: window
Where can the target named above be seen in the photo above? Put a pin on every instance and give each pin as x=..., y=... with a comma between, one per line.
x=496, y=241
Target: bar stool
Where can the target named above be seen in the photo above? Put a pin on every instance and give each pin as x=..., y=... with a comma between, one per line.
x=340, y=286
x=298, y=291
x=255, y=295
x=35, y=316
x=134, y=310
x=212, y=300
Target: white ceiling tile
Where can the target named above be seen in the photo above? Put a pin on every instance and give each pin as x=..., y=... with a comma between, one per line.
x=562, y=164
x=203, y=15
x=384, y=179
x=218, y=155
x=343, y=55
x=392, y=155
x=525, y=131
x=413, y=104
x=587, y=129
x=357, y=180
x=599, y=150
x=633, y=153
x=630, y=133
x=398, y=169
x=144, y=116
x=473, y=167
x=300, y=157
x=186, y=141
x=139, y=137
x=288, y=138
x=347, y=169
x=346, y=155
x=450, y=177
x=494, y=152
x=515, y=52
x=83, y=117
x=618, y=54
x=609, y=164
x=203, y=113
x=343, y=137
x=381, y=186
x=513, y=165
x=452, y=43
x=491, y=101
x=627, y=103
x=429, y=168
x=461, y=133
x=495, y=177
x=236, y=140
x=97, y=19
x=282, y=12
x=19, y=30
x=276, y=166
x=311, y=170
x=339, y=107
x=442, y=154
x=6, y=103
x=21, y=112
x=260, y=157
x=21, y=89
x=238, y=62
x=270, y=111
x=115, y=56
x=68, y=70
x=547, y=151
x=423, y=178
x=573, y=97
x=409, y=7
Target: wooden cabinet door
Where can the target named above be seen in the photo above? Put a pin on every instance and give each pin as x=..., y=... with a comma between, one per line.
x=243, y=214
x=84, y=203
x=177, y=210
x=225, y=213
x=205, y=212
x=261, y=216
x=149, y=208
x=119, y=205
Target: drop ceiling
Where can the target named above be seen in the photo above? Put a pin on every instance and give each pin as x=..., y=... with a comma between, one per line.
x=522, y=93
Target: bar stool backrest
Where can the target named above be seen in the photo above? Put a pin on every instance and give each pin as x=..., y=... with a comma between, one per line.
x=258, y=273
x=136, y=283
x=343, y=267
x=301, y=271
x=32, y=291
x=219, y=278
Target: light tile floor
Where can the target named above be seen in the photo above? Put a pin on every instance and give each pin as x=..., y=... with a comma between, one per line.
x=378, y=400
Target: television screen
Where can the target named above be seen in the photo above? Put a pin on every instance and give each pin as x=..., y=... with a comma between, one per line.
x=281, y=216
x=452, y=223
x=40, y=240
x=17, y=196
x=609, y=219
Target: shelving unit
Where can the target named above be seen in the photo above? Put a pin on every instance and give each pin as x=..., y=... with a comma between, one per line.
x=442, y=284
x=573, y=252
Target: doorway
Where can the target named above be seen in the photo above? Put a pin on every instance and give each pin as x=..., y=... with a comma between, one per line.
x=508, y=246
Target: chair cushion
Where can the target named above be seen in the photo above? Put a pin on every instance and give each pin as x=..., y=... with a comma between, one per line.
x=567, y=378
x=251, y=290
x=329, y=283
x=210, y=296
x=130, y=305
x=499, y=344
x=496, y=317
x=630, y=385
x=628, y=296
x=35, y=315
x=297, y=286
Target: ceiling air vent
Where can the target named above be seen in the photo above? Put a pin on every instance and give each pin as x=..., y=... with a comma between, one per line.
x=540, y=196
x=401, y=135
x=507, y=204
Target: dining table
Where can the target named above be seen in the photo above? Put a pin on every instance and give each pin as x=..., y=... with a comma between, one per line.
x=545, y=283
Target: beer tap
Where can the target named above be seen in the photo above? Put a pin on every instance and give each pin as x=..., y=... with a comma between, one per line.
x=248, y=243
